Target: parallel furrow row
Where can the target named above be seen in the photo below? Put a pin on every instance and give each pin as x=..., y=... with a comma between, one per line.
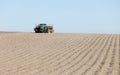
x=72, y=57
x=54, y=59
x=59, y=54
x=88, y=53
x=92, y=60
x=107, y=54
x=102, y=51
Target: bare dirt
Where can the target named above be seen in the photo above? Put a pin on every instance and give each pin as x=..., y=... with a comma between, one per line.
x=59, y=54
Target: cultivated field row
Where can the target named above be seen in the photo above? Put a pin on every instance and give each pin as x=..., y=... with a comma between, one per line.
x=59, y=54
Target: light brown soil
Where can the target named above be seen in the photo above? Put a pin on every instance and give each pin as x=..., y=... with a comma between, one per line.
x=59, y=54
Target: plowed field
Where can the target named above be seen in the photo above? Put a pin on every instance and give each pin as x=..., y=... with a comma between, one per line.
x=59, y=54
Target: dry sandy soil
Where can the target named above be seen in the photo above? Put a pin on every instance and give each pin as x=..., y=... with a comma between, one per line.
x=59, y=54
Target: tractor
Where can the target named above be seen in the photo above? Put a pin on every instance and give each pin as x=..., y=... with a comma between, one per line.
x=43, y=28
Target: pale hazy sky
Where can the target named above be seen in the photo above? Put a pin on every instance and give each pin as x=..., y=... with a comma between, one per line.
x=68, y=16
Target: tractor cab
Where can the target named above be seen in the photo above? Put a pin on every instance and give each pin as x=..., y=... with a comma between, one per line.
x=42, y=24
x=42, y=28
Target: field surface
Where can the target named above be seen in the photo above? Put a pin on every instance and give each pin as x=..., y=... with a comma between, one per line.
x=59, y=54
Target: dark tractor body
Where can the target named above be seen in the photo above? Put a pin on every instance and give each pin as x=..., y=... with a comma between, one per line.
x=43, y=28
